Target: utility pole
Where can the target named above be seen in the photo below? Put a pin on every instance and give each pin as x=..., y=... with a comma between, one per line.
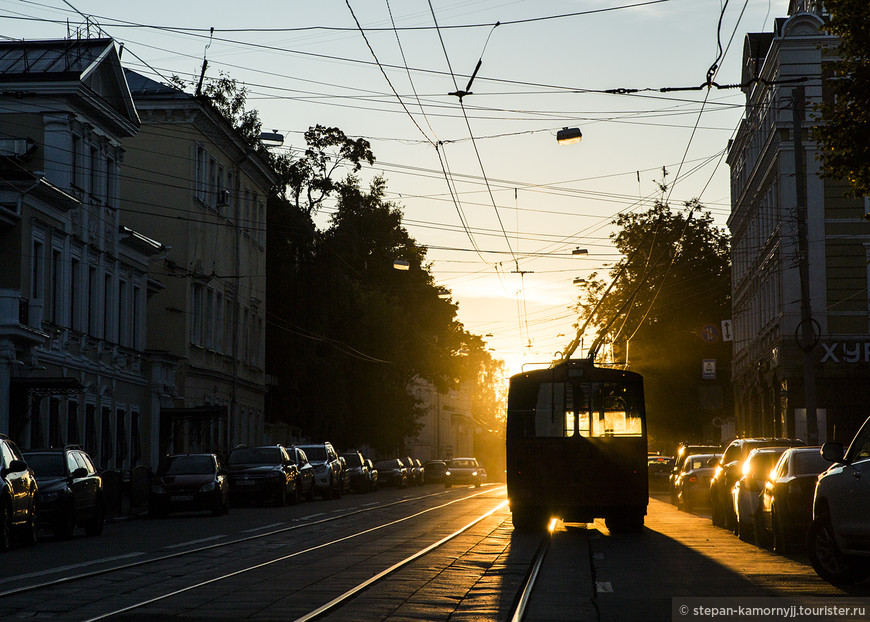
x=807, y=340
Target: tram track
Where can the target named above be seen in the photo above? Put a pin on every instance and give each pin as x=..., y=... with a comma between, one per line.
x=216, y=545
x=152, y=564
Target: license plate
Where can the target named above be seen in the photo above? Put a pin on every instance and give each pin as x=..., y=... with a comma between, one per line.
x=182, y=497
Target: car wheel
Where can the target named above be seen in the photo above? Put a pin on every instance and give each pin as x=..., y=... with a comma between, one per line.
x=5, y=527
x=31, y=529
x=716, y=513
x=338, y=490
x=294, y=498
x=827, y=559
x=281, y=497
x=525, y=519
x=625, y=521
x=327, y=492
x=779, y=541
x=744, y=529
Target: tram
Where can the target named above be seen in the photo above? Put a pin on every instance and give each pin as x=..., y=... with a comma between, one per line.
x=577, y=446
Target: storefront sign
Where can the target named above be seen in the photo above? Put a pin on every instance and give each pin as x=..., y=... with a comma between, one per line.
x=846, y=352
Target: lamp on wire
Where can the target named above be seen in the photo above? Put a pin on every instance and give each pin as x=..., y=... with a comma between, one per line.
x=569, y=135
x=401, y=264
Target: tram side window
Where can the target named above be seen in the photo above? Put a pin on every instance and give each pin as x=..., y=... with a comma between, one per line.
x=550, y=409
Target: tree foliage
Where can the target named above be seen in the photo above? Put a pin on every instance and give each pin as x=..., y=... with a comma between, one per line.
x=845, y=133
x=673, y=281
x=348, y=335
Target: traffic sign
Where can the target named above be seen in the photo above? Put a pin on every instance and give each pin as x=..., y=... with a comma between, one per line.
x=708, y=369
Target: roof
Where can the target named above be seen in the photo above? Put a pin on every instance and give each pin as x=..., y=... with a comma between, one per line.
x=92, y=63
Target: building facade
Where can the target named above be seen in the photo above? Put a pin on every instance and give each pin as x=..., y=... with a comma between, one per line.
x=193, y=176
x=800, y=248
x=74, y=277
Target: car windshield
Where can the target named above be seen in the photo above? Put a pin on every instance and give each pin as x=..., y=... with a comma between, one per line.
x=256, y=455
x=316, y=453
x=810, y=463
x=387, y=464
x=186, y=465
x=46, y=465
x=353, y=460
x=462, y=464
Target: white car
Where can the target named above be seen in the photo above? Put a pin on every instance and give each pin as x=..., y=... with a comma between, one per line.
x=746, y=494
x=838, y=542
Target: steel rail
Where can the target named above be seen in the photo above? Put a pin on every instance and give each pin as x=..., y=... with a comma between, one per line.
x=525, y=592
x=153, y=560
x=282, y=558
x=338, y=601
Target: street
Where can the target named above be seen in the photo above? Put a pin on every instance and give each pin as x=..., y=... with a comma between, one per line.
x=414, y=554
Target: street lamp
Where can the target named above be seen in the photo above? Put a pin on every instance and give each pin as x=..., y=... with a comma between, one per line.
x=580, y=251
x=569, y=135
x=401, y=264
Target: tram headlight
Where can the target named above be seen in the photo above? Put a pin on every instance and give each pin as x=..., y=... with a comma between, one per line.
x=447, y=473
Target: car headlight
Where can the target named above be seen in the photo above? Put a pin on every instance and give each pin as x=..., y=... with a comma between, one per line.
x=208, y=487
x=446, y=472
x=474, y=474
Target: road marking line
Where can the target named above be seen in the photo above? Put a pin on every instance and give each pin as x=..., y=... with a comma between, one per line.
x=183, y=544
x=261, y=528
x=311, y=516
x=603, y=586
x=70, y=567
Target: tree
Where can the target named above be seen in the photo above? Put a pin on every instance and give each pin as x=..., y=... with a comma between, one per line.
x=845, y=133
x=672, y=284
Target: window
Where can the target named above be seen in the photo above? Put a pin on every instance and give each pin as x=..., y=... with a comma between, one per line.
x=212, y=182
x=587, y=409
x=208, y=319
x=196, y=314
x=136, y=319
x=94, y=174
x=107, y=307
x=123, y=315
x=76, y=161
x=105, y=438
x=120, y=438
x=56, y=286
x=74, y=294
x=37, y=272
x=54, y=431
x=72, y=422
x=93, y=300
x=219, y=322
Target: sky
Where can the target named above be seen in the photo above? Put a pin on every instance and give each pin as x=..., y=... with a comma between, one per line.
x=480, y=179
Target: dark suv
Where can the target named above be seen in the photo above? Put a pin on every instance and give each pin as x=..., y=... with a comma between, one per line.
x=260, y=473
x=358, y=471
x=729, y=471
x=328, y=478
x=70, y=490
x=18, y=491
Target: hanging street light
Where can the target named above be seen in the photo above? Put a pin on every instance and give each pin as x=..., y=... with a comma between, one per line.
x=569, y=135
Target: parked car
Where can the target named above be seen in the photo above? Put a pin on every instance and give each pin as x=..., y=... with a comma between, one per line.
x=787, y=499
x=70, y=490
x=306, y=471
x=692, y=484
x=358, y=471
x=838, y=540
x=746, y=494
x=263, y=473
x=728, y=471
x=374, y=478
x=327, y=469
x=684, y=450
x=18, y=491
x=659, y=469
x=189, y=483
x=462, y=471
x=415, y=473
x=434, y=471
x=392, y=472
